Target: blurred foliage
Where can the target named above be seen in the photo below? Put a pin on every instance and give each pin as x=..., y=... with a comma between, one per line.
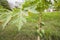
x=29, y=15
x=57, y=5
x=5, y=4
x=10, y=18
x=52, y=25
x=38, y=5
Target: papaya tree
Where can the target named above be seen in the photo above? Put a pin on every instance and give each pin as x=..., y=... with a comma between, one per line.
x=39, y=6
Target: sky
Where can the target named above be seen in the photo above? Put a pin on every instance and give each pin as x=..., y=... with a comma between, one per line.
x=14, y=3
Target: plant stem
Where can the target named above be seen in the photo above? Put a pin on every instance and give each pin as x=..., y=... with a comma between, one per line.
x=39, y=21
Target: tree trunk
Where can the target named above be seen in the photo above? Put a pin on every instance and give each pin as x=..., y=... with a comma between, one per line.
x=39, y=21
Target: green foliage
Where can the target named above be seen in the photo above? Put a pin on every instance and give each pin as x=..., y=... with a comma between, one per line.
x=5, y=4
x=52, y=25
x=38, y=5
x=30, y=12
x=12, y=18
x=57, y=5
